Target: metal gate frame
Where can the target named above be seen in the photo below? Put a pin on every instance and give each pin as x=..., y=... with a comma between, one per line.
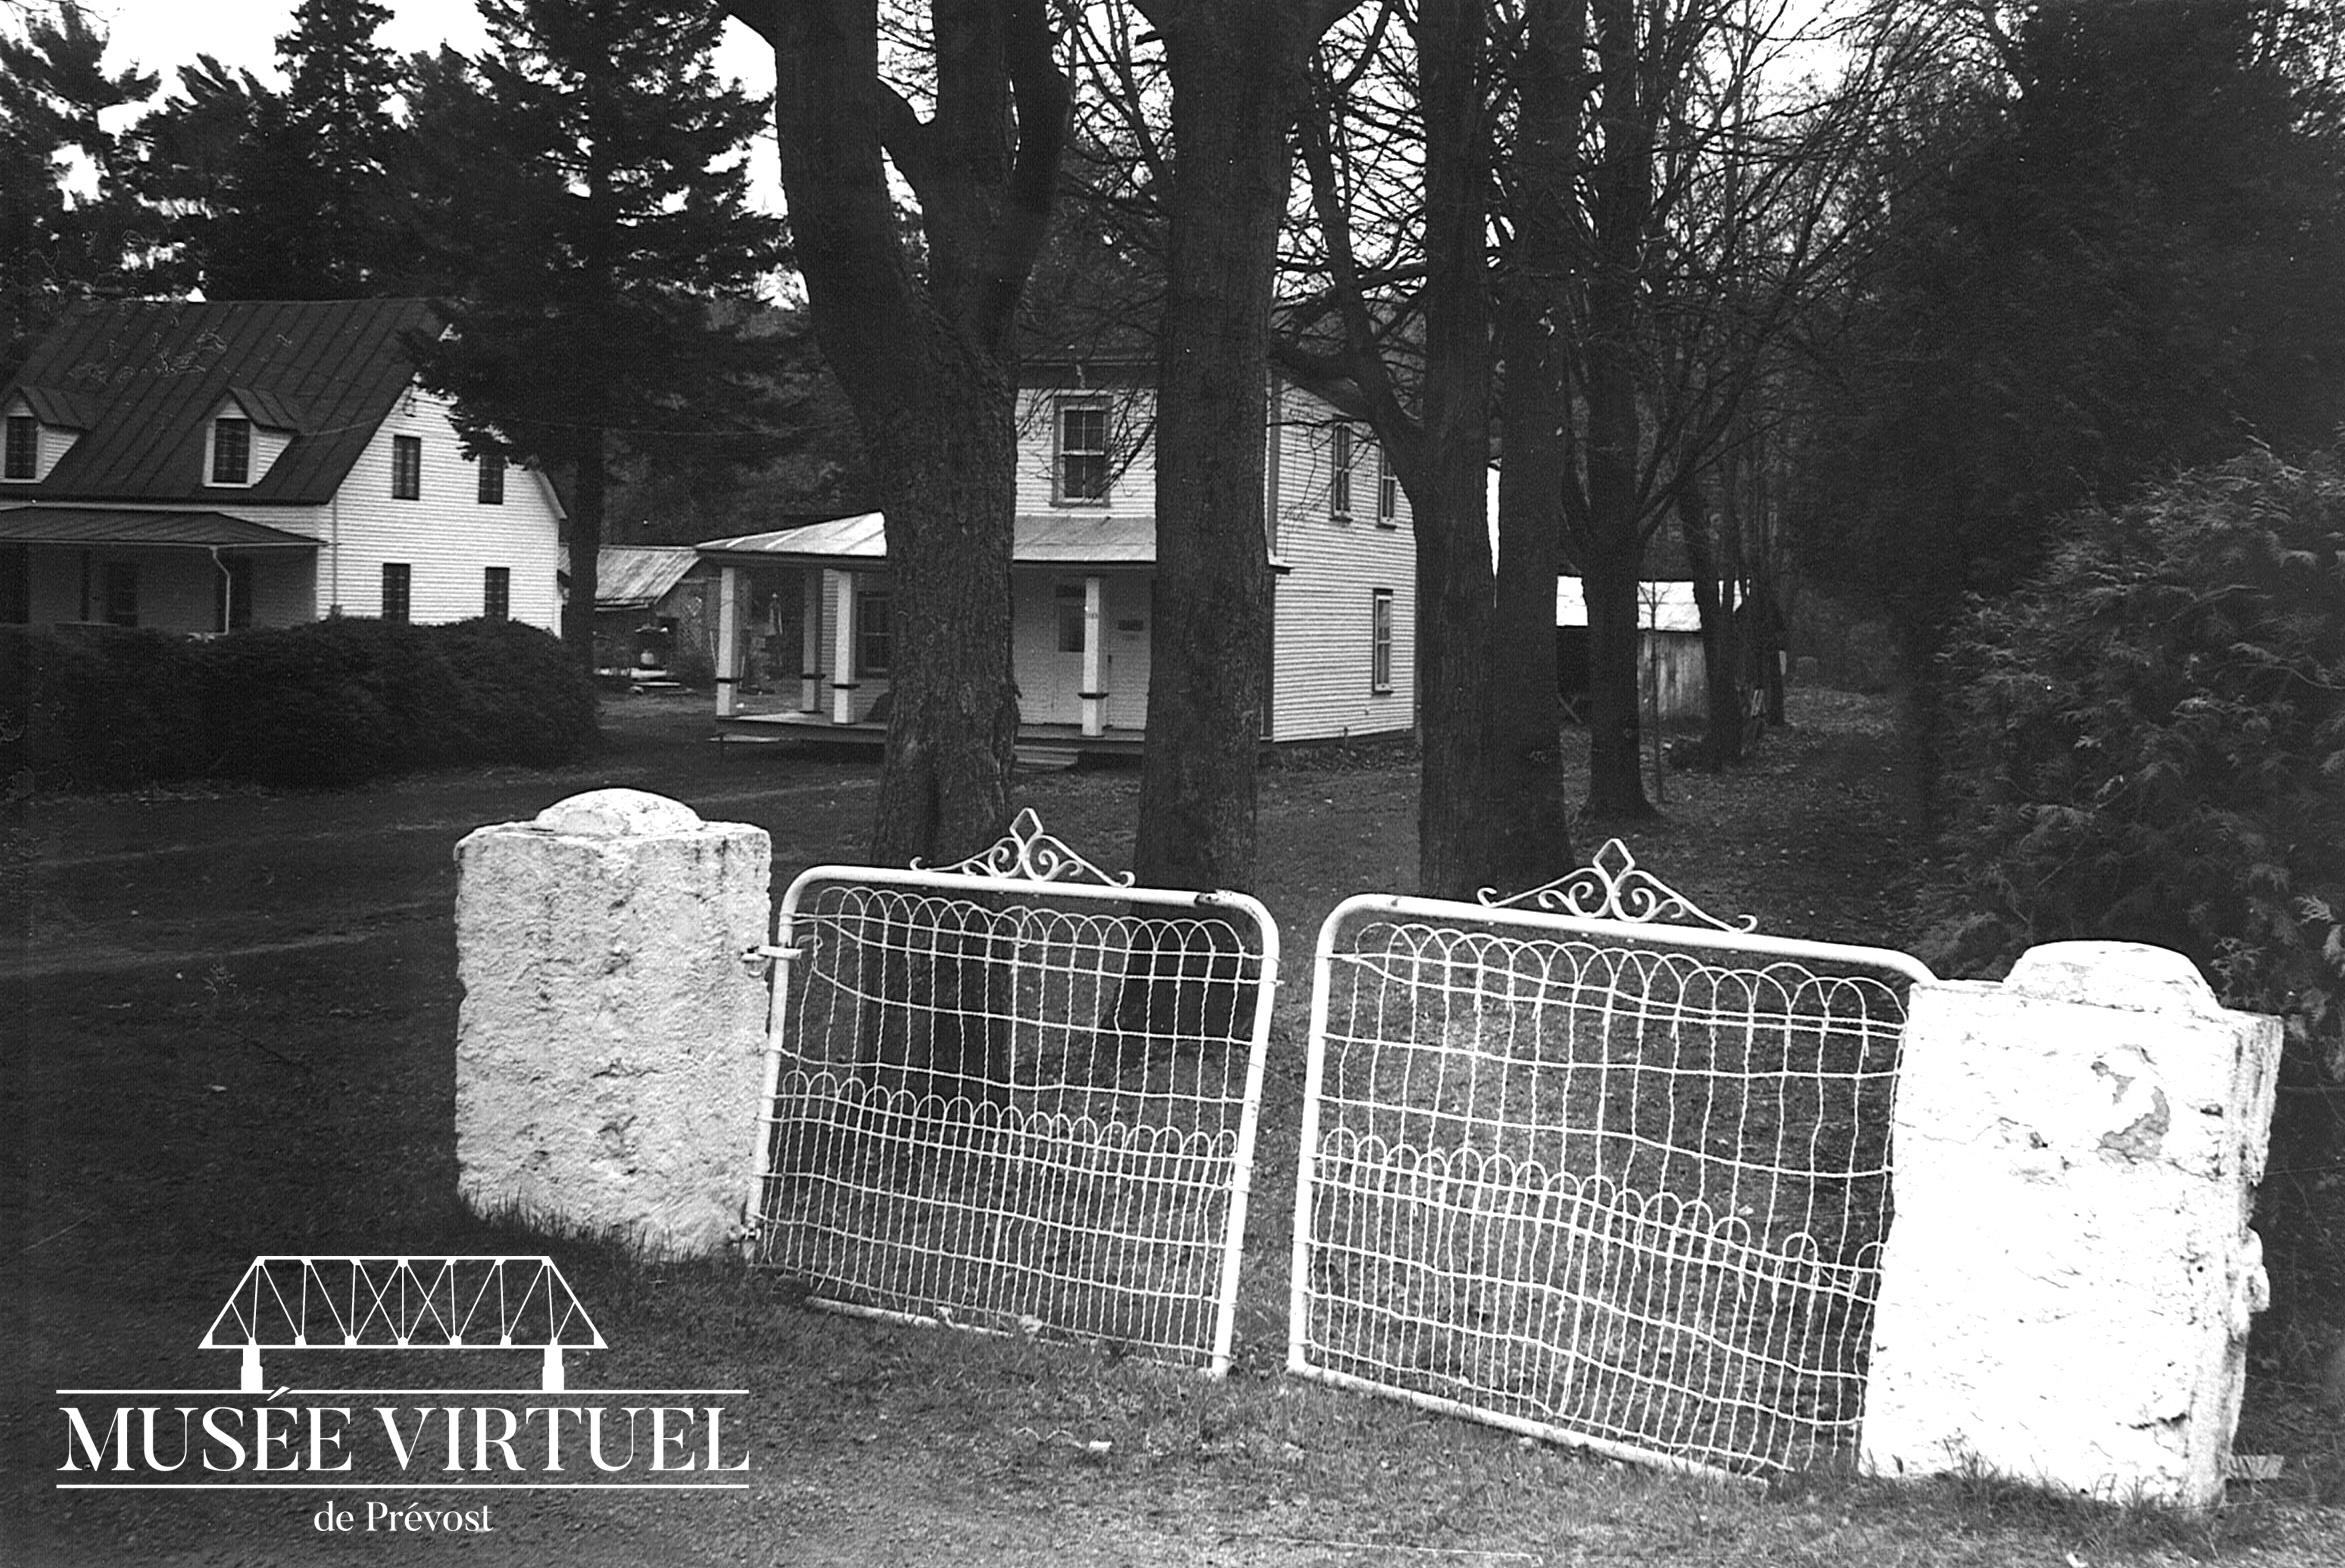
x=1031, y=865
x=1611, y=900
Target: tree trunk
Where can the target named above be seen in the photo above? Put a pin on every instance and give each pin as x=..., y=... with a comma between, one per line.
x=949, y=484
x=1613, y=549
x=589, y=484
x=924, y=351
x=1456, y=816
x=1237, y=74
x=1716, y=577
x=1530, y=840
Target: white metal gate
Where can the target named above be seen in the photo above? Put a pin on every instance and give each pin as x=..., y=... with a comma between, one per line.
x=1576, y=1171
x=1016, y=1094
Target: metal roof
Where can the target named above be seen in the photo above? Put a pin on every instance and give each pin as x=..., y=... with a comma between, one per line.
x=629, y=576
x=52, y=407
x=1041, y=540
x=1661, y=606
x=131, y=526
x=145, y=376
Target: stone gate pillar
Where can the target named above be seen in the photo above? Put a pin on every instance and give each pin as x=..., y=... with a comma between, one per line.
x=610, y=1047
x=2069, y=1278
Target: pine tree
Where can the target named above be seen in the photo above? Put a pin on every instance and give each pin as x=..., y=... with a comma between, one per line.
x=291, y=195
x=54, y=247
x=602, y=233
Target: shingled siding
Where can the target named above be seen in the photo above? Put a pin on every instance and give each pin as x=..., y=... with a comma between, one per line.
x=1322, y=688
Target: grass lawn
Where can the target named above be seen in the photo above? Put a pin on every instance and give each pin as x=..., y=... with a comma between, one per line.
x=231, y=1032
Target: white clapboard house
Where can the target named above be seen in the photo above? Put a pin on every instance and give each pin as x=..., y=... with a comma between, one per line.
x=807, y=631
x=198, y=468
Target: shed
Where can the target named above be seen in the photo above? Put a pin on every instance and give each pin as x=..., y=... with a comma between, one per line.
x=1669, y=646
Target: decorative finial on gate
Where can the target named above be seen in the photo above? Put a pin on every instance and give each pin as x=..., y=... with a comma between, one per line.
x=1028, y=854
x=1611, y=887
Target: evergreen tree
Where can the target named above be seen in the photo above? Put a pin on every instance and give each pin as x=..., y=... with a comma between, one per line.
x=601, y=229
x=292, y=195
x=56, y=246
x=2119, y=253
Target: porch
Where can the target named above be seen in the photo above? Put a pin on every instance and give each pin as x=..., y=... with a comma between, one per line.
x=806, y=631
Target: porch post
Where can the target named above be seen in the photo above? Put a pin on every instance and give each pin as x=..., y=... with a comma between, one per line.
x=842, y=647
x=810, y=644
x=1094, y=689
x=728, y=640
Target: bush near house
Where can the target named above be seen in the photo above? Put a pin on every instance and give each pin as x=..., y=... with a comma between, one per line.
x=2148, y=742
x=331, y=703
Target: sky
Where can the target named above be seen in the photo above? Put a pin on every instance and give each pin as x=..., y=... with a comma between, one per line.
x=162, y=35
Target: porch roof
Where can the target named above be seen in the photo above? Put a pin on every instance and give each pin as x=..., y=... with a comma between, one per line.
x=123, y=525
x=861, y=541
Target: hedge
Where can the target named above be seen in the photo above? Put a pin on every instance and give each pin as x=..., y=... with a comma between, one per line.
x=331, y=703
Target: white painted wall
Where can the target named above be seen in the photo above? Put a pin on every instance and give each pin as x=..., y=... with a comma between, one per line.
x=1321, y=688
x=446, y=536
x=1131, y=489
x=1050, y=683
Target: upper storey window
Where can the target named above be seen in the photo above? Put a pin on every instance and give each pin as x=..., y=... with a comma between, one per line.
x=24, y=448
x=231, y=451
x=406, y=468
x=1339, y=484
x=1082, y=454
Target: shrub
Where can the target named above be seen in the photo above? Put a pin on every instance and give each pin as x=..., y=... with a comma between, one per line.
x=98, y=707
x=2148, y=742
x=331, y=703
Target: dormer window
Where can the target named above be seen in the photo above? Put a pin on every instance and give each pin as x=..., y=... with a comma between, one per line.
x=24, y=448
x=231, y=451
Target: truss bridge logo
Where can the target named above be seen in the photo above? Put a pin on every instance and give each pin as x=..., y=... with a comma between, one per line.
x=290, y=1317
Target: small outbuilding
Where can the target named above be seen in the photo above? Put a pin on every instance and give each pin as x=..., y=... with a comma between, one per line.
x=1669, y=647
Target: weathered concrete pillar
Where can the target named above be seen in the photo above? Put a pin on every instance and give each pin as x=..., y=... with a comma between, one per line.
x=2068, y=1282
x=610, y=1046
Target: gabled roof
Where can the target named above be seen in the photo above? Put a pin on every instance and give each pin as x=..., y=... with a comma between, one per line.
x=145, y=376
x=861, y=541
x=63, y=409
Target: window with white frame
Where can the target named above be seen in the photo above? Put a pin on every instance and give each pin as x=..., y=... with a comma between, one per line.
x=875, y=632
x=1339, y=481
x=398, y=583
x=231, y=450
x=1082, y=452
x=1380, y=640
x=1387, y=491
x=492, y=479
x=24, y=448
x=406, y=468
x=496, y=592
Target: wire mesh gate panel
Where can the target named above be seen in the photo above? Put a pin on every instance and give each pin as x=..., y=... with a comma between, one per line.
x=1016, y=1094
x=1575, y=1171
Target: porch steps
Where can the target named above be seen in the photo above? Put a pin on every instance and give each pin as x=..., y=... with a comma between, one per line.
x=1048, y=759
